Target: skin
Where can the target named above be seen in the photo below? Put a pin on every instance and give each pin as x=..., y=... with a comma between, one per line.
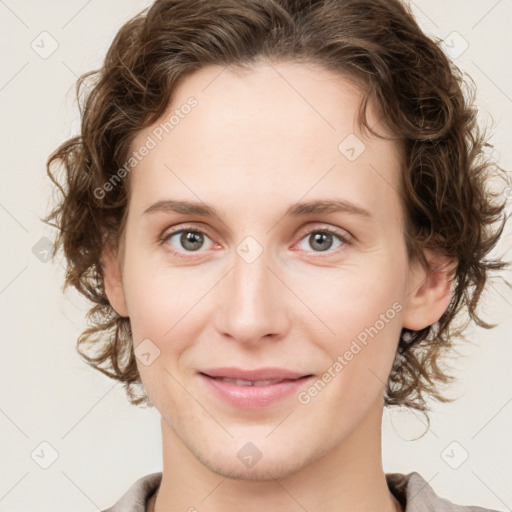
x=257, y=142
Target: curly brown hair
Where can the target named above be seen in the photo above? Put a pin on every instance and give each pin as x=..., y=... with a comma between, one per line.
x=425, y=100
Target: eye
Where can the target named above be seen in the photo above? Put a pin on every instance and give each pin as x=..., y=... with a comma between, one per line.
x=186, y=240
x=321, y=240
x=189, y=240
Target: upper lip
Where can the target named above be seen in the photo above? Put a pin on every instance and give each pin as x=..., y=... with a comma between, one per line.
x=270, y=373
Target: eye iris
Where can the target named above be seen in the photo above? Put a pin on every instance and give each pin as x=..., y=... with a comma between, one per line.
x=320, y=239
x=193, y=238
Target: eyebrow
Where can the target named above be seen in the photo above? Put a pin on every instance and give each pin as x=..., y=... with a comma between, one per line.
x=295, y=210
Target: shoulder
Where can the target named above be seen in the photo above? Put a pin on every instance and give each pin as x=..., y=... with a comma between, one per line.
x=414, y=492
x=134, y=499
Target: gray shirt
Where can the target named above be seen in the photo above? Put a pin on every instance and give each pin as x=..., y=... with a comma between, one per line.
x=411, y=490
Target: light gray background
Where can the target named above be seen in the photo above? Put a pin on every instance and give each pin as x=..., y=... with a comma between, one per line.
x=49, y=395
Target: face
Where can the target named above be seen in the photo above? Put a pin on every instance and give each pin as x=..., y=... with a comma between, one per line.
x=255, y=281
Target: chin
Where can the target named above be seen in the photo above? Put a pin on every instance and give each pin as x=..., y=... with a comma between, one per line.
x=264, y=470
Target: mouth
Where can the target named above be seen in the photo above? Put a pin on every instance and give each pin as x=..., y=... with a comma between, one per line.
x=253, y=389
x=257, y=375
x=240, y=382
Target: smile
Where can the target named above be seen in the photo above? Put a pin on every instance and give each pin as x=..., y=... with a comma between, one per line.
x=253, y=393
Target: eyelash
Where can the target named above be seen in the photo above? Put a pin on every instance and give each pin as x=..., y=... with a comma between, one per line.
x=167, y=235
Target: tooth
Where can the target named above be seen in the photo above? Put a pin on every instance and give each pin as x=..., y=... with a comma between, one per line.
x=240, y=382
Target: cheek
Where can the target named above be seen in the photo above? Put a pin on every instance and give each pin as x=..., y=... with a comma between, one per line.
x=162, y=311
x=350, y=300
x=166, y=306
x=363, y=312
x=152, y=305
x=157, y=297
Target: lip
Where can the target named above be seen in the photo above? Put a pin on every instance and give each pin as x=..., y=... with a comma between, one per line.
x=250, y=396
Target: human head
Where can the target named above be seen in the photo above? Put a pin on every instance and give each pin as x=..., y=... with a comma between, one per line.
x=404, y=74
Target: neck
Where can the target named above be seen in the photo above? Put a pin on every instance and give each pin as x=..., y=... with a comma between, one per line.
x=347, y=478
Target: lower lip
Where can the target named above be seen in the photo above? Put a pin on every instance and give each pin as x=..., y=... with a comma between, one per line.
x=254, y=397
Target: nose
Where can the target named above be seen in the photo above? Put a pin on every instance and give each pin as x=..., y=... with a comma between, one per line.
x=253, y=303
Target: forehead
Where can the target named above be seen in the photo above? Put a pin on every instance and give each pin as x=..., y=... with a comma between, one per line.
x=285, y=129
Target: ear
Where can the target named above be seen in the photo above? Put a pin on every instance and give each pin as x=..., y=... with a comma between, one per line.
x=113, y=281
x=429, y=292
